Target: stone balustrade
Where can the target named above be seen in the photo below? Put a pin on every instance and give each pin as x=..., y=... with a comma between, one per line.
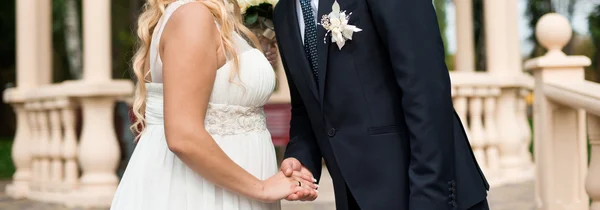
x=476, y=98
x=567, y=114
x=54, y=163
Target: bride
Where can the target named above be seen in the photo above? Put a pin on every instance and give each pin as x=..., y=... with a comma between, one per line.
x=204, y=142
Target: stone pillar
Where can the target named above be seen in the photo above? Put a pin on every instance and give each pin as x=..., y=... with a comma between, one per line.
x=98, y=152
x=27, y=46
x=26, y=80
x=97, y=66
x=465, y=43
x=515, y=61
x=44, y=41
x=495, y=36
x=560, y=131
x=501, y=50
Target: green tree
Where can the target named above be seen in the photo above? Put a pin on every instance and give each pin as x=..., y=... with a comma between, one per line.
x=479, y=35
x=594, y=28
x=535, y=10
x=7, y=63
x=440, y=9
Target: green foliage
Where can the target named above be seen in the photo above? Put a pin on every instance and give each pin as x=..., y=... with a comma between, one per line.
x=250, y=18
x=61, y=69
x=440, y=9
x=594, y=28
x=6, y=165
x=479, y=35
x=7, y=63
x=535, y=10
x=124, y=16
x=253, y=13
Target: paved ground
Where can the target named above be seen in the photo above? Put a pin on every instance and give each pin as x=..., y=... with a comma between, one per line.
x=512, y=197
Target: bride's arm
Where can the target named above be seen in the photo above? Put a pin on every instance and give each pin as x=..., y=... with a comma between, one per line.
x=189, y=49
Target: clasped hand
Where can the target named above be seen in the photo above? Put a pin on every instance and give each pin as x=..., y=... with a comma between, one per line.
x=293, y=182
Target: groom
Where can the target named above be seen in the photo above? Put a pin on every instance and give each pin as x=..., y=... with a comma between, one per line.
x=378, y=110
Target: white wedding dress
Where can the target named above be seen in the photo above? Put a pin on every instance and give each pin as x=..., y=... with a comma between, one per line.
x=156, y=179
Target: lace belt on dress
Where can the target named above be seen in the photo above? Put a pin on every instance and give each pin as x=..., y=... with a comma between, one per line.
x=222, y=119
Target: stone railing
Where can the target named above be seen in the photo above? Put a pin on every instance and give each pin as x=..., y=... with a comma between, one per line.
x=567, y=113
x=56, y=164
x=476, y=97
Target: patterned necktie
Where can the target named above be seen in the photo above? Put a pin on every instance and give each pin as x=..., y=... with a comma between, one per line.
x=310, y=37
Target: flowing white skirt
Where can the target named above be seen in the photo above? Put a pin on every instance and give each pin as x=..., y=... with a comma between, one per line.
x=155, y=179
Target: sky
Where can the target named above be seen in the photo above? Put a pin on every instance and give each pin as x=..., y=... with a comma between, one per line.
x=579, y=23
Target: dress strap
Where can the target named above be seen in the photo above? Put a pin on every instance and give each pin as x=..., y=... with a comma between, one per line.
x=155, y=60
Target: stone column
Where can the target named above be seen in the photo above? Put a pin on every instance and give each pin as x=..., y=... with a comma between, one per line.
x=501, y=49
x=98, y=152
x=560, y=131
x=515, y=61
x=465, y=43
x=27, y=46
x=44, y=41
x=495, y=36
x=97, y=66
x=26, y=80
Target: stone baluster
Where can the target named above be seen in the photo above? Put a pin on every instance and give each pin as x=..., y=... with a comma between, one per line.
x=98, y=150
x=477, y=134
x=42, y=118
x=502, y=52
x=69, y=146
x=592, y=183
x=460, y=105
x=34, y=147
x=21, y=154
x=560, y=138
x=491, y=131
x=56, y=171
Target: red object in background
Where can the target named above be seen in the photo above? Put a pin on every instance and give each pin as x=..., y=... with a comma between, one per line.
x=132, y=119
x=278, y=122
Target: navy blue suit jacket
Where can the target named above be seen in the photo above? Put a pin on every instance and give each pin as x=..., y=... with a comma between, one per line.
x=382, y=115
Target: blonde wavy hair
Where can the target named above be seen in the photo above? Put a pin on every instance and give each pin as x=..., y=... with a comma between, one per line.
x=228, y=18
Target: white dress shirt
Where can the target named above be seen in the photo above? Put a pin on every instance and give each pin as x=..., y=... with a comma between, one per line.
x=314, y=4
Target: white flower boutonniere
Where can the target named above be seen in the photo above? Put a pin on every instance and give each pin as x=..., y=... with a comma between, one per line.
x=336, y=23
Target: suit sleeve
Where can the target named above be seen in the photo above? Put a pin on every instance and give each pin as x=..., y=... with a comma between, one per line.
x=303, y=144
x=410, y=31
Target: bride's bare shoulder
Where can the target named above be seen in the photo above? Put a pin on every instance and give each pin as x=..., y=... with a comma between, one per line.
x=191, y=18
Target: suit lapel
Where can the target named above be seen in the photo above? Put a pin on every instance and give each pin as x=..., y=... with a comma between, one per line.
x=297, y=62
x=323, y=48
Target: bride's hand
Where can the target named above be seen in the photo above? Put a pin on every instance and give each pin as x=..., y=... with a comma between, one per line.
x=270, y=49
x=279, y=187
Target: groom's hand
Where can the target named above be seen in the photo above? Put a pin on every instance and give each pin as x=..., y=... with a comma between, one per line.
x=291, y=166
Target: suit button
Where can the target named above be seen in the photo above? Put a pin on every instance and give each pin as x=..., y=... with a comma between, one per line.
x=331, y=132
